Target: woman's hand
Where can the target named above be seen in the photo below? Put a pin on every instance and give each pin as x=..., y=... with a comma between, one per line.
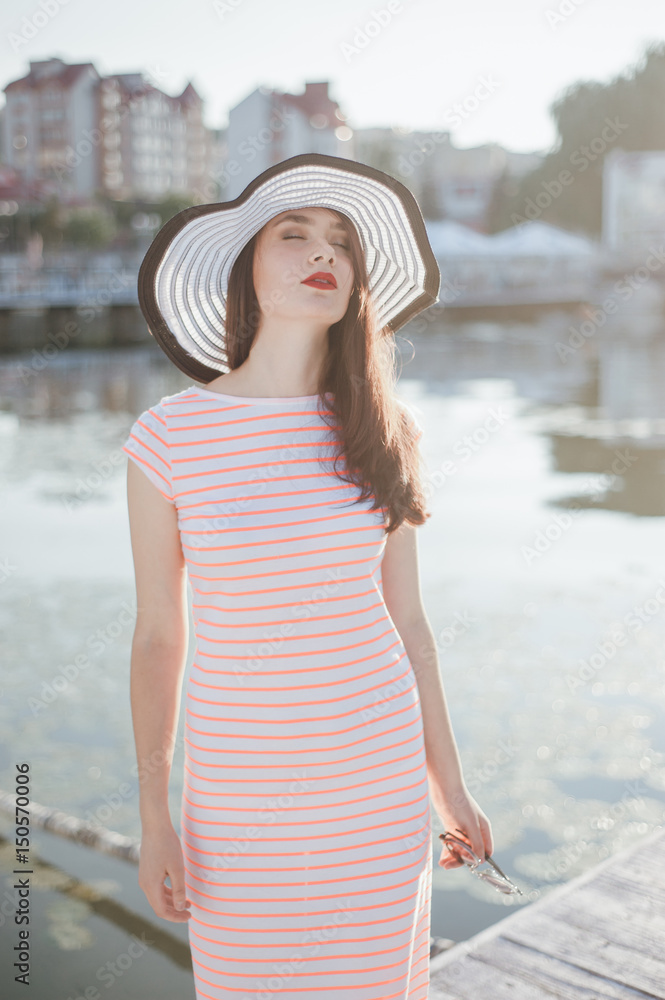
x=460, y=811
x=161, y=855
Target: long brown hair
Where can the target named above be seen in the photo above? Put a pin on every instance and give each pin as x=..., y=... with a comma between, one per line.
x=373, y=430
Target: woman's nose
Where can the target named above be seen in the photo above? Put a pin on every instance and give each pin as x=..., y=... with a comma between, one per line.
x=323, y=252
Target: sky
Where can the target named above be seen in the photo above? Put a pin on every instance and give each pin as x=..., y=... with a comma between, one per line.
x=485, y=71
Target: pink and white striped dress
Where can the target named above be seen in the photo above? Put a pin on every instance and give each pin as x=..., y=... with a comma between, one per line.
x=305, y=819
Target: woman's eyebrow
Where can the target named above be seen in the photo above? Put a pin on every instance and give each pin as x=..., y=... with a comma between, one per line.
x=307, y=220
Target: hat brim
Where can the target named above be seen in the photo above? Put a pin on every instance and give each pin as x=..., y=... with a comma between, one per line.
x=183, y=277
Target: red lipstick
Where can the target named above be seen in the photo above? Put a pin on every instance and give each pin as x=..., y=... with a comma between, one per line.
x=321, y=279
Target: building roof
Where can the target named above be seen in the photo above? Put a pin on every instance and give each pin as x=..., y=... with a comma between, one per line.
x=190, y=95
x=133, y=84
x=541, y=239
x=450, y=237
x=44, y=73
x=533, y=239
x=316, y=104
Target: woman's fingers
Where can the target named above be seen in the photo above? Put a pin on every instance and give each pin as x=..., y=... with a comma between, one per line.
x=169, y=912
x=161, y=859
x=178, y=892
x=448, y=859
x=175, y=897
x=161, y=898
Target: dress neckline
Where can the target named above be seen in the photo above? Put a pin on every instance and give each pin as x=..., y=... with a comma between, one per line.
x=254, y=399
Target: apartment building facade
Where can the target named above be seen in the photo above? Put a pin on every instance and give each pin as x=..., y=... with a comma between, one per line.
x=268, y=126
x=70, y=132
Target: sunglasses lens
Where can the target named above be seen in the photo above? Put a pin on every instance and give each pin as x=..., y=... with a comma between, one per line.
x=496, y=881
x=461, y=851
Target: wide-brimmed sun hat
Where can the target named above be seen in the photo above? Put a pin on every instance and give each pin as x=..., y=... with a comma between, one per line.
x=183, y=277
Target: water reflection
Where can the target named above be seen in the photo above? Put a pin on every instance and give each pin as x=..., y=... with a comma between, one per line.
x=557, y=699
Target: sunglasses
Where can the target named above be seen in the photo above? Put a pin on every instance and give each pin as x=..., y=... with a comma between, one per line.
x=492, y=873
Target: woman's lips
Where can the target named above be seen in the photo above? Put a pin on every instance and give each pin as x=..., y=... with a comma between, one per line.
x=321, y=279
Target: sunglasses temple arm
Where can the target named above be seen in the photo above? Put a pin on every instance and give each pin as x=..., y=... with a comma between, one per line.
x=494, y=865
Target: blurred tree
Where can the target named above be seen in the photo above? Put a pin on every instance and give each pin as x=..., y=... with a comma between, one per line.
x=170, y=206
x=124, y=212
x=49, y=221
x=89, y=227
x=633, y=103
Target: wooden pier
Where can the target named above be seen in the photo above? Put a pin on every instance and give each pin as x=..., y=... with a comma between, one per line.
x=600, y=936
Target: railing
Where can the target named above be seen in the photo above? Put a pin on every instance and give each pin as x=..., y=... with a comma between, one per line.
x=77, y=279
x=69, y=280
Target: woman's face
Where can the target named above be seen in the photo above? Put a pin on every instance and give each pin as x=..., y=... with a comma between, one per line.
x=289, y=249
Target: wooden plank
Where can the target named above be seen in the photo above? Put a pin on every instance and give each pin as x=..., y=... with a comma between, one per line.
x=630, y=920
x=601, y=936
x=647, y=885
x=646, y=854
x=586, y=949
x=504, y=970
x=654, y=847
x=441, y=993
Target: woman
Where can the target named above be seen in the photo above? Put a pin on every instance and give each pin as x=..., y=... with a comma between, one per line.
x=287, y=490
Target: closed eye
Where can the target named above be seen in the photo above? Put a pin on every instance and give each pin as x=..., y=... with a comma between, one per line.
x=293, y=236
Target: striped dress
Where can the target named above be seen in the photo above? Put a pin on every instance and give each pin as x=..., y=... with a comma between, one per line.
x=305, y=818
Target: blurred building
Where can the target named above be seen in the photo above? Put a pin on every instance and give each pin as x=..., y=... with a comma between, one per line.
x=70, y=132
x=530, y=263
x=46, y=113
x=633, y=200
x=153, y=144
x=448, y=182
x=269, y=126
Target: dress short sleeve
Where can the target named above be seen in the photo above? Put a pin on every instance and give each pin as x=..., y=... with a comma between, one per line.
x=147, y=446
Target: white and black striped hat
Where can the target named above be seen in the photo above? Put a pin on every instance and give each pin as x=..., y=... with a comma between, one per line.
x=183, y=277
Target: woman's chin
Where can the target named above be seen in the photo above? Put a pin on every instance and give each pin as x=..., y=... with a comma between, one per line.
x=315, y=312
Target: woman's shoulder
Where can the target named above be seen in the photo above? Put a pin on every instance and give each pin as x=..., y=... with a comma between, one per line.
x=169, y=404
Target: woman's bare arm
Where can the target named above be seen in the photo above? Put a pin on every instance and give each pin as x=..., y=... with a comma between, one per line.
x=400, y=578
x=159, y=646
x=158, y=659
